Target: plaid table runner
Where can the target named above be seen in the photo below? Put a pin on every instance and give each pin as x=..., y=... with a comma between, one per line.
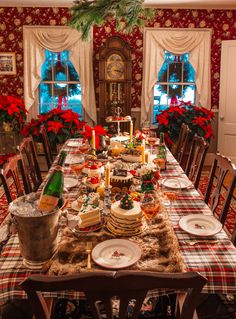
x=216, y=262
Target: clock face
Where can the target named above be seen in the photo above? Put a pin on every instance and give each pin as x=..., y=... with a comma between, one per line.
x=115, y=68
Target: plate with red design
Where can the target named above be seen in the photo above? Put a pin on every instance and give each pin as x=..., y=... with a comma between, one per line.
x=116, y=253
x=200, y=225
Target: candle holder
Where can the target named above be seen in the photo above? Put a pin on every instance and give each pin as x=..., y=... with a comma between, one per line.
x=107, y=197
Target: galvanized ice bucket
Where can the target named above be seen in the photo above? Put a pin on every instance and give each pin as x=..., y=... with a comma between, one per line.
x=37, y=235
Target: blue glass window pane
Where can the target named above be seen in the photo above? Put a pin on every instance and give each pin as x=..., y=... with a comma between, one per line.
x=189, y=73
x=46, y=71
x=60, y=90
x=72, y=74
x=45, y=92
x=175, y=72
x=189, y=93
x=60, y=71
x=174, y=91
x=75, y=91
x=160, y=94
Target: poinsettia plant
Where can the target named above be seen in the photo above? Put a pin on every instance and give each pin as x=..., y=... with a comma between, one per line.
x=99, y=131
x=12, y=112
x=197, y=118
x=60, y=125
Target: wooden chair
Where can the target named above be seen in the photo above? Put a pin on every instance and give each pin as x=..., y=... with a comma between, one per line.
x=30, y=161
x=196, y=158
x=221, y=167
x=103, y=285
x=46, y=146
x=13, y=172
x=233, y=239
x=180, y=148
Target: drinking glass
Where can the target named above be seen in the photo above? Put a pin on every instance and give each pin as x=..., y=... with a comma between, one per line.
x=78, y=166
x=152, y=138
x=170, y=194
x=84, y=148
x=146, y=127
x=150, y=205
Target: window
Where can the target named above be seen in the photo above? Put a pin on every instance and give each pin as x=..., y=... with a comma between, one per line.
x=176, y=81
x=60, y=84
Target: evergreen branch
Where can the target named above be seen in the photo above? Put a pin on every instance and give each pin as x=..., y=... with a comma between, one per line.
x=86, y=13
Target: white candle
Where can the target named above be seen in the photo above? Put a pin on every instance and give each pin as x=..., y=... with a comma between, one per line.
x=131, y=131
x=107, y=175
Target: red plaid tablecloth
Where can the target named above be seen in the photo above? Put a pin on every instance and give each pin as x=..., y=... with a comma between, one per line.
x=216, y=262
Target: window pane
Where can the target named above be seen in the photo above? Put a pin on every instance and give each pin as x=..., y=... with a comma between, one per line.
x=162, y=76
x=60, y=90
x=45, y=92
x=174, y=91
x=60, y=71
x=189, y=93
x=72, y=74
x=175, y=72
x=189, y=73
x=160, y=94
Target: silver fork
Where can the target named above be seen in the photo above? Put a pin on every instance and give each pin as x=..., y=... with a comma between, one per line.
x=194, y=242
x=89, y=246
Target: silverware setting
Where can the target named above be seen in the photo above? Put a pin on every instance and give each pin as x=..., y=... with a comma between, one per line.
x=89, y=247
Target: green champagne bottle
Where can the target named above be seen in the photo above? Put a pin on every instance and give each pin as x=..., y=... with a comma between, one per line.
x=162, y=152
x=53, y=188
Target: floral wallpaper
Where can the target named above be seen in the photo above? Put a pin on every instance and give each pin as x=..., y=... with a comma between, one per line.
x=222, y=23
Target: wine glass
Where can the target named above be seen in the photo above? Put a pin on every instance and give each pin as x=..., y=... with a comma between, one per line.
x=152, y=138
x=84, y=148
x=146, y=127
x=170, y=189
x=78, y=165
x=150, y=205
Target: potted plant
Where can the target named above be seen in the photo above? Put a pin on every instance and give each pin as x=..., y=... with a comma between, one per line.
x=60, y=125
x=12, y=113
x=197, y=118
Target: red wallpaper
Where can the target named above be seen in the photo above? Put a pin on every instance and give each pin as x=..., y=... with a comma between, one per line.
x=222, y=22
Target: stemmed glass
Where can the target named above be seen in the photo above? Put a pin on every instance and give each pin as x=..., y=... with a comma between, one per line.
x=78, y=166
x=170, y=189
x=152, y=138
x=150, y=205
x=146, y=127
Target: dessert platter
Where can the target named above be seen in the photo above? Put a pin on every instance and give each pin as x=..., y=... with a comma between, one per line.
x=126, y=218
x=132, y=155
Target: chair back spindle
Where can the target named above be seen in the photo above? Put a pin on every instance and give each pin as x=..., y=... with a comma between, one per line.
x=31, y=164
x=196, y=159
x=12, y=174
x=104, y=285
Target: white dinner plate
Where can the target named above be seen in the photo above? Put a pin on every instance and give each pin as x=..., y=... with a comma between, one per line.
x=177, y=182
x=200, y=225
x=70, y=182
x=73, y=144
x=116, y=253
x=131, y=158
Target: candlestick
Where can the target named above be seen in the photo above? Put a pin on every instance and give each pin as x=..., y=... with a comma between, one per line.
x=131, y=131
x=107, y=175
x=93, y=143
x=143, y=153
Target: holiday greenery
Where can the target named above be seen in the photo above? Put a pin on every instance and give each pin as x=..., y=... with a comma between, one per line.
x=197, y=118
x=127, y=202
x=127, y=13
x=12, y=111
x=60, y=125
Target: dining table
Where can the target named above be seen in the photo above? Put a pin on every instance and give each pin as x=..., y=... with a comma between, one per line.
x=214, y=257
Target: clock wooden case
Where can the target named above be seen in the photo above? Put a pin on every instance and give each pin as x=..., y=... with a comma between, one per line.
x=115, y=72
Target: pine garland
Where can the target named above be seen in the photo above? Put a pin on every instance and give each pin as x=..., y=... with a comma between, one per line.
x=86, y=13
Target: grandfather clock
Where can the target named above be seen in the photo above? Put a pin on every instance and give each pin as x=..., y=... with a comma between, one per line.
x=115, y=67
